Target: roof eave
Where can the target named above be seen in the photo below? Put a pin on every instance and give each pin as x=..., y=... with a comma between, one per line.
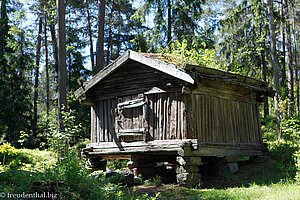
x=132, y=55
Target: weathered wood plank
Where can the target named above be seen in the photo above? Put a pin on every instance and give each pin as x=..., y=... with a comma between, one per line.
x=175, y=146
x=183, y=117
x=219, y=90
x=93, y=124
x=100, y=121
x=235, y=118
x=160, y=117
x=173, y=123
x=198, y=117
x=251, y=128
x=222, y=130
x=106, y=116
x=257, y=117
x=175, y=107
x=254, y=127
x=113, y=116
x=192, y=116
x=106, y=71
x=151, y=116
x=109, y=118
x=203, y=118
x=181, y=113
x=165, y=116
x=155, y=117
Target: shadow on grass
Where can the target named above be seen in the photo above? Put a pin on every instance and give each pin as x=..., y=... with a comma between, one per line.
x=249, y=173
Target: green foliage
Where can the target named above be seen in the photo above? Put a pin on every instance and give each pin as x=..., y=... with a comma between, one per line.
x=25, y=159
x=15, y=65
x=291, y=132
x=81, y=115
x=68, y=178
x=140, y=43
x=116, y=179
x=244, y=31
x=10, y=157
x=60, y=140
x=185, y=16
x=268, y=129
x=286, y=150
x=156, y=181
x=296, y=157
x=117, y=164
x=182, y=53
x=138, y=180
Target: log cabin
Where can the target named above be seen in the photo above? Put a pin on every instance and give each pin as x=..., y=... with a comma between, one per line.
x=147, y=109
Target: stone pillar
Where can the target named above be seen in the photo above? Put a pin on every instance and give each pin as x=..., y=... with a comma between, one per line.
x=187, y=171
x=228, y=164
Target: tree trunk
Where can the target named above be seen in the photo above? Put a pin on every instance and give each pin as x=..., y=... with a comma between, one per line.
x=109, y=40
x=108, y=46
x=290, y=61
x=296, y=59
x=54, y=45
x=62, y=72
x=282, y=37
x=297, y=79
x=3, y=36
x=47, y=71
x=169, y=22
x=36, y=77
x=88, y=18
x=100, y=36
x=263, y=67
x=118, y=36
x=264, y=72
x=275, y=65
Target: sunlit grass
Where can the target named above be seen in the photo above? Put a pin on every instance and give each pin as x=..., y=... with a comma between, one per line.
x=38, y=159
x=282, y=190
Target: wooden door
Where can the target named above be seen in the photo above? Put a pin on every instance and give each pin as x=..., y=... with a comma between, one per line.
x=130, y=118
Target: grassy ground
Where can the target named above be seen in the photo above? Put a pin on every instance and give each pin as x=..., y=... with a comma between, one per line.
x=252, y=181
x=272, y=191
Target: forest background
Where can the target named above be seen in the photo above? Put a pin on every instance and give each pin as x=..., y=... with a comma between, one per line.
x=49, y=48
x=257, y=38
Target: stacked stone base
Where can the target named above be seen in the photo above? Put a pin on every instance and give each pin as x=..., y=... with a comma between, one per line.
x=187, y=171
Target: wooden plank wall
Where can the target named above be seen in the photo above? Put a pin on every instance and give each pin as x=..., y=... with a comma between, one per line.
x=166, y=116
x=131, y=79
x=218, y=120
x=103, y=122
x=131, y=118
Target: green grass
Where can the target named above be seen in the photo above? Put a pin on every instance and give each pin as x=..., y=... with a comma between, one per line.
x=273, y=191
x=38, y=160
x=39, y=170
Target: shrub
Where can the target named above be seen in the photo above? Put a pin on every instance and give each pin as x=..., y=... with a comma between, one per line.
x=60, y=140
x=287, y=149
x=11, y=157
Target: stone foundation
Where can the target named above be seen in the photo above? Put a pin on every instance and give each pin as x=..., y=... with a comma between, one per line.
x=187, y=171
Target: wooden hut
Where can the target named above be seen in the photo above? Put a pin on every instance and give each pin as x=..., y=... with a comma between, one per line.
x=147, y=109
